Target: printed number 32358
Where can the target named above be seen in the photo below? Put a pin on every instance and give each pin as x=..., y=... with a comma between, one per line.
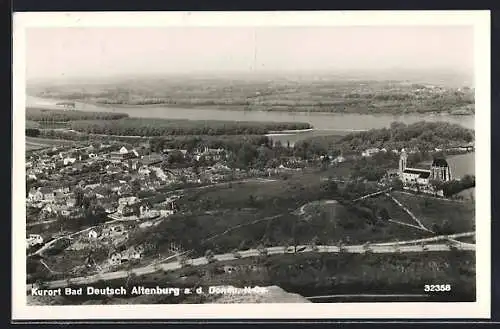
x=437, y=287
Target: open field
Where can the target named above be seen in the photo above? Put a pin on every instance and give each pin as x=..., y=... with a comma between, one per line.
x=47, y=142
x=454, y=217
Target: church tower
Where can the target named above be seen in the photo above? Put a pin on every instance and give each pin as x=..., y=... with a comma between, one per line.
x=402, y=161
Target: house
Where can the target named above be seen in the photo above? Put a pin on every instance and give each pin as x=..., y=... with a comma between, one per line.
x=144, y=171
x=369, y=152
x=128, y=200
x=66, y=211
x=52, y=209
x=71, y=202
x=159, y=173
x=133, y=253
x=35, y=195
x=115, y=259
x=92, y=234
x=113, y=170
x=60, y=197
x=114, y=230
x=125, y=210
x=47, y=193
x=68, y=161
x=109, y=208
x=338, y=159
x=117, y=157
x=62, y=189
x=33, y=240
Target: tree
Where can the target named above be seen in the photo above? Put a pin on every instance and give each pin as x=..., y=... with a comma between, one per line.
x=341, y=247
x=384, y=214
x=209, y=255
x=397, y=184
x=236, y=253
x=314, y=243
x=136, y=186
x=79, y=197
x=175, y=157
x=330, y=187
x=262, y=250
x=251, y=200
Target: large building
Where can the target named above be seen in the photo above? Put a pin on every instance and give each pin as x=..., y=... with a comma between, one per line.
x=439, y=170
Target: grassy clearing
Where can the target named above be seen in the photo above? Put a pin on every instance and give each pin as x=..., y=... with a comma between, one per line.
x=334, y=222
x=459, y=217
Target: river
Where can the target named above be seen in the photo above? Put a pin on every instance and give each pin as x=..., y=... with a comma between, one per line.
x=323, y=123
x=335, y=122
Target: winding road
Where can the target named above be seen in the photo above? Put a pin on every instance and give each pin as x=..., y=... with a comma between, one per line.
x=395, y=247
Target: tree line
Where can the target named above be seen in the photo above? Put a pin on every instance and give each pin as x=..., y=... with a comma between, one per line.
x=162, y=127
x=46, y=115
x=422, y=135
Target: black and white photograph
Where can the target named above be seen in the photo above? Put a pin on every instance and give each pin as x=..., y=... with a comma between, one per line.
x=200, y=161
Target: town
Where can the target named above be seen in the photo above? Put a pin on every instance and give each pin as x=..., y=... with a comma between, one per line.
x=94, y=196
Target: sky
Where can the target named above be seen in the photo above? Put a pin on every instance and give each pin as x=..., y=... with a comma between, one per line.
x=100, y=52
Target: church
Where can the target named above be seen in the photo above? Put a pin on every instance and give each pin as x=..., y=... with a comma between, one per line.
x=439, y=170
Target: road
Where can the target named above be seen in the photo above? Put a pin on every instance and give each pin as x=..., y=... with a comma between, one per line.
x=433, y=239
x=372, y=194
x=279, y=250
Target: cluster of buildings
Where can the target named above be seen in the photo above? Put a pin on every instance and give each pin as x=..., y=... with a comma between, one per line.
x=439, y=171
x=122, y=181
x=422, y=179
x=458, y=149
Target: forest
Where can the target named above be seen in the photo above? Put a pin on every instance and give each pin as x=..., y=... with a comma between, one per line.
x=46, y=115
x=422, y=135
x=161, y=127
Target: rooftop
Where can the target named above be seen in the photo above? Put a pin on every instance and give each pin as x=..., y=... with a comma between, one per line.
x=439, y=162
x=417, y=171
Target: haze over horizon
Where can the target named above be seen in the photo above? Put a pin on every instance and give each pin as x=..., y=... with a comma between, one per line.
x=55, y=53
